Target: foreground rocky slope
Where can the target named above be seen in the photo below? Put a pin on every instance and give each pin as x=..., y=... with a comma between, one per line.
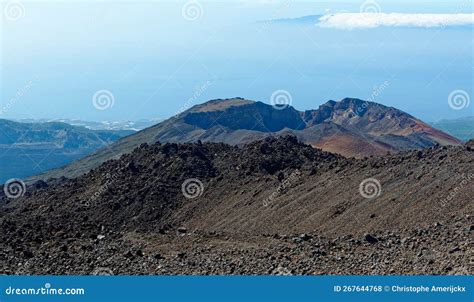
x=272, y=206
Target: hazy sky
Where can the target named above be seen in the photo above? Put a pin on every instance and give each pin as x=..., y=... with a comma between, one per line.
x=151, y=59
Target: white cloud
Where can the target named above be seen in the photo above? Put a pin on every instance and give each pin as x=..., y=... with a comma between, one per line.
x=373, y=20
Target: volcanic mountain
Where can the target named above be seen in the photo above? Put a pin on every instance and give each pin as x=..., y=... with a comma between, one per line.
x=350, y=127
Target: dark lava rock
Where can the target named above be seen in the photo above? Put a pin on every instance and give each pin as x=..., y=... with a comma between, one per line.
x=128, y=254
x=28, y=254
x=419, y=154
x=305, y=237
x=370, y=239
x=158, y=256
x=182, y=230
x=454, y=250
x=40, y=184
x=470, y=144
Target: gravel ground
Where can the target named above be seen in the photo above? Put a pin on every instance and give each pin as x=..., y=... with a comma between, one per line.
x=272, y=207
